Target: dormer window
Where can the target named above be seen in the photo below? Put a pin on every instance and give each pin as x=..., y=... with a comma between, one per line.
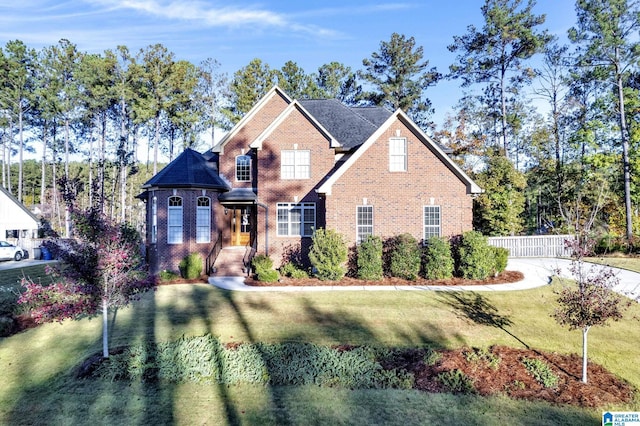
x=243, y=168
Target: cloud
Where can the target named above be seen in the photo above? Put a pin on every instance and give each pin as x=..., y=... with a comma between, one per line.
x=211, y=16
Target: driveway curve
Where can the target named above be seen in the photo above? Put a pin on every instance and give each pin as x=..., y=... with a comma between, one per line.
x=537, y=272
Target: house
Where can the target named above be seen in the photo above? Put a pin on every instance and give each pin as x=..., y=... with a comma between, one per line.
x=289, y=167
x=17, y=223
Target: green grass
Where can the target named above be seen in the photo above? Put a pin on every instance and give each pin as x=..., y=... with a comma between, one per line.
x=37, y=366
x=622, y=262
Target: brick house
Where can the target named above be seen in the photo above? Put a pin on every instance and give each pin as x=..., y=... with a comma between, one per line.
x=289, y=167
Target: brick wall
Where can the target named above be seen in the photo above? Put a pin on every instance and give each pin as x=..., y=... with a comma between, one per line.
x=164, y=256
x=398, y=198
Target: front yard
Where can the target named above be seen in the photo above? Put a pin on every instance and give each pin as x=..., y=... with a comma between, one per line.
x=39, y=365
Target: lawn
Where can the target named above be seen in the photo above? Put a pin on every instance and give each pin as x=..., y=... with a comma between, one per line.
x=37, y=366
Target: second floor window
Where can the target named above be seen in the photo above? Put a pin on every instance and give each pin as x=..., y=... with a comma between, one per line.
x=397, y=155
x=243, y=168
x=295, y=164
x=174, y=221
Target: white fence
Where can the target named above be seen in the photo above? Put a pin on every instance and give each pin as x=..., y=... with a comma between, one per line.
x=534, y=246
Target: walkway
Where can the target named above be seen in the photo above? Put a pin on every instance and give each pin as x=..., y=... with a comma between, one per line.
x=537, y=273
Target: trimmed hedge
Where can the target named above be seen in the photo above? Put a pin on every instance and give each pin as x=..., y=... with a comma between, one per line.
x=438, y=261
x=370, y=259
x=328, y=254
x=191, y=266
x=405, y=257
x=476, y=256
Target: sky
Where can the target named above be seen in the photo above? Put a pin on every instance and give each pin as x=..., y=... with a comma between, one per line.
x=308, y=32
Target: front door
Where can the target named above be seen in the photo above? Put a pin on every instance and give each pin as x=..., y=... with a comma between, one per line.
x=240, y=226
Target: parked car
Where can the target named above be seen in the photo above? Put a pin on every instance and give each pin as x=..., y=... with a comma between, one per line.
x=9, y=251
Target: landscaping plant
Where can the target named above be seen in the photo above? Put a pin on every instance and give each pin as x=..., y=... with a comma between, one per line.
x=438, y=261
x=263, y=267
x=328, y=254
x=405, y=257
x=191, y=266
x=370, y=258
x=476, y=256
x=100, y=269
x=593, y=301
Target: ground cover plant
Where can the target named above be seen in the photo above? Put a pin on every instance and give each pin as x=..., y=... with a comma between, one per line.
x=37, y=387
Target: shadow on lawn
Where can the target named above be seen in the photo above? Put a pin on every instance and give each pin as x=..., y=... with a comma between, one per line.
x=477, y=308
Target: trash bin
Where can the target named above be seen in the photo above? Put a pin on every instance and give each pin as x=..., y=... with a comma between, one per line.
x=46, y=254
x=37, y=253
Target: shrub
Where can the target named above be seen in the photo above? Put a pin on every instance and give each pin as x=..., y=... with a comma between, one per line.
x=541, y=371
x=263, y=267
x=328, y=254
x=405, y=257
x=456, y=381
x=294, y=271
x=191, y=266
x=476, y=256
x=501, y=257
x=166, y=275
x=370, y=258
x=438, y=261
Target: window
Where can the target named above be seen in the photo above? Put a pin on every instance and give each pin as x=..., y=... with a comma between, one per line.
x=243, y=168
x=295, y=164
x=364, y=223
x=174, y=221
x=203, y=220
x=154, y=220
x=397, y=155
x=431, y=222
x=296, y=219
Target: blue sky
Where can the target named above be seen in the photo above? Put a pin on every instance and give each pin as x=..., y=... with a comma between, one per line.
x=308, y=32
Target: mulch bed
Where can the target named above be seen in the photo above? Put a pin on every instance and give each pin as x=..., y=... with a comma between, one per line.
x=509, y=376
x=504, y=278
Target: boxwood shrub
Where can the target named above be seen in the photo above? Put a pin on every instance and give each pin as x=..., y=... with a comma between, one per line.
x=370, y=258
x=438, y=261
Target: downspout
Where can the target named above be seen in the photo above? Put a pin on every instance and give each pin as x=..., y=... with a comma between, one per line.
x=266, y=227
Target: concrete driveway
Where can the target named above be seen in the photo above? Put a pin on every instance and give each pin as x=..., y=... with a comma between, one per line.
x=12, y=264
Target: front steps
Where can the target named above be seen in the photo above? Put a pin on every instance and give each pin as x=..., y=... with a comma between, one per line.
x=230, y=262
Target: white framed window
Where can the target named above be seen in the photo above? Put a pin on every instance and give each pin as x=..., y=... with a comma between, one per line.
x=364, y=223
x=398, y=155
x=174, y=220
x=243, y=168
x=296, y=219
x=203, y=220
x=431, y=222
x=154, y=220
x=295, y=164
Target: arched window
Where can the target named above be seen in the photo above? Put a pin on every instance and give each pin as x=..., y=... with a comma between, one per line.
x=203, y=220
x=174, y=220
x=243, y=168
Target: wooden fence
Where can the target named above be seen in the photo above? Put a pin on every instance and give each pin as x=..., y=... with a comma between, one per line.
x=534, y=246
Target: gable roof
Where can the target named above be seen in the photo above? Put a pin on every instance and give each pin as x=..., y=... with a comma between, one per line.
x=19, y=205
x=275, y=91
x=350, y=126
x=472, y=187
x=189, y=170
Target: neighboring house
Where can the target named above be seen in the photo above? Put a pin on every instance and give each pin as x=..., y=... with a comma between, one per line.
x=289, y=167
x=16, y=221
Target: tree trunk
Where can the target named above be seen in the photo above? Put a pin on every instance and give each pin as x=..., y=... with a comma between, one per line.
x=584, y=354
x=20, y=153
x=105, y=329
x=626, y=165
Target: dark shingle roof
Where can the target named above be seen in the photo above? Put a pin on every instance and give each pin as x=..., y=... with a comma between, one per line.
x=189, y=170
x=351, y=126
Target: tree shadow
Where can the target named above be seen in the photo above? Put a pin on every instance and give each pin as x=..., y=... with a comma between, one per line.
x=478, y=309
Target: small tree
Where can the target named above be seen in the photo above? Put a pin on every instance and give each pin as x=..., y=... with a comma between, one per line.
x=593, y=302
x=99, y=270
x=328, y=254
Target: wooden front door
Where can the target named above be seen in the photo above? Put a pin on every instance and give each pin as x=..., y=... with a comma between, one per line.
x=240, y=226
